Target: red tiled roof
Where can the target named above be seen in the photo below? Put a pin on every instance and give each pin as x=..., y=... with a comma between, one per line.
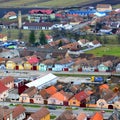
x=18, y=110
x=7, y=80
x=81, y=96
x=3, y=87
x=48, y=11
x=33, y=60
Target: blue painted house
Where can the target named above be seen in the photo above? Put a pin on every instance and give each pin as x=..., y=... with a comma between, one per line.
x=62, y=64
x=105, y=66
x=82, y=12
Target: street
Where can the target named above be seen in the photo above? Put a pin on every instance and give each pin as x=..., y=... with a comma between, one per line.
x=32, y=73
x=60, y=109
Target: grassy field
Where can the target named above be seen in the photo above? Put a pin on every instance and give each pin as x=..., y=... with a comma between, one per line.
x=60, y=3
x=14, y=33
x=116, y=6
x=106, y=50
x=41, y=3
x=51, y=3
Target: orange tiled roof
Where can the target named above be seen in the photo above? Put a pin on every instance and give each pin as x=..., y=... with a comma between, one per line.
x=2, y=60
x=88, y=92
x=62, y=96
x=81, y=116
x=51, y=90
x=97, y=116
x=104, y=86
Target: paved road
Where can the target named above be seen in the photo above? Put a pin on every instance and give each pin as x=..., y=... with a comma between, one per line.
x=58, y=111
x=31, y=73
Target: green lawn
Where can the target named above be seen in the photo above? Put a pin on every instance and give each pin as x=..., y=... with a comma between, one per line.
x=27, y=105
x=93, y=109
x=13, y=34
x=52, y=117
x=106, y=50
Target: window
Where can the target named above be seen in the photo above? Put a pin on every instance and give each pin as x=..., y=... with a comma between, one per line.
x=74, y=102
x=24, y=98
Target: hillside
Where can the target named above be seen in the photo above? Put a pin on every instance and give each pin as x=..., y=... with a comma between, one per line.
x=55, y=3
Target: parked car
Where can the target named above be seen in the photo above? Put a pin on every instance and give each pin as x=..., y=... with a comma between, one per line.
x=52, y=107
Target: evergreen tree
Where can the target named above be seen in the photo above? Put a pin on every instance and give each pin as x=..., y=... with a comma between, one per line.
x=42, y=38
x=20, y=35
x=32, y=37
x=118, y=38
x=60, y=43
x=105, y=39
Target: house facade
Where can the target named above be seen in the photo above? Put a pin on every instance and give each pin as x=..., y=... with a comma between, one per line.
x=79, y=99
x=103, y=7
x=117, y=68
x=102, y=68
x=42, y=114
x=59, y=98
x=3, y=37
x=10, y=65
x=37, y=26
x=42, y=67
x=38, y=99
x=28, y=95
x=64, y=63
x=19, y=113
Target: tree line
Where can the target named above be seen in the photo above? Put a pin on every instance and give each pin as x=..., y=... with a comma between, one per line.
x=32, y=38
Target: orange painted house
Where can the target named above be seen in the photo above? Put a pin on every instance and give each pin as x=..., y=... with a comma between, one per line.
x=79, y=99
x=59, y=98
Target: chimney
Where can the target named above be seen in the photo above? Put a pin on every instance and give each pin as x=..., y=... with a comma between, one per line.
x=19, y=20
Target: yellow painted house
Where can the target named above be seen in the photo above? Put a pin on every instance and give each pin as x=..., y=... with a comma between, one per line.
x=42, y=114
x=27, y=66
x=10, y=65
x=19, y=66
x=3, y=37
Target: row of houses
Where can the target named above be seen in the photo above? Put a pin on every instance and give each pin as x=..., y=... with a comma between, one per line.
x=83, y=63
x=20, y=113
x=47, y=90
